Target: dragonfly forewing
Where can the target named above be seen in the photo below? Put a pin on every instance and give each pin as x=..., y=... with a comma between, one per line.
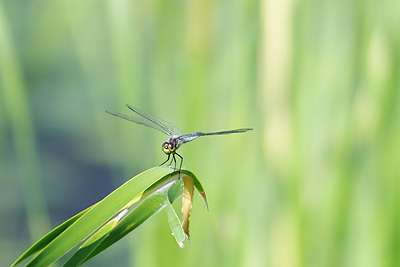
x=140, y=121
x=168, y=127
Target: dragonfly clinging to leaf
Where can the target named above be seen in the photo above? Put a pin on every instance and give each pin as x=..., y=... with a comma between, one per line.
x=176, y=137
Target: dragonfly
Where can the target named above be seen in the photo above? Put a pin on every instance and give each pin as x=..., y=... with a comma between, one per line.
x=176, y=136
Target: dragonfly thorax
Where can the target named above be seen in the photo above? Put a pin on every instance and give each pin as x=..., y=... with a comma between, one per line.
x=171, y=146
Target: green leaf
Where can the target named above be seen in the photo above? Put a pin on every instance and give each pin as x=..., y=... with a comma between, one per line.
x=44, y=241
x=92, y=243
x=180, y=229
x=199, y=187
x=150, y=206
x=173, y=219
x=134, y=190
x=152, y=190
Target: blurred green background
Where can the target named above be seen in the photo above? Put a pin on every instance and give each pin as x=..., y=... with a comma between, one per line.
x=315, y=184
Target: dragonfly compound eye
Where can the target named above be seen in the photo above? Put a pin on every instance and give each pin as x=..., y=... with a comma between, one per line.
x=166, y=148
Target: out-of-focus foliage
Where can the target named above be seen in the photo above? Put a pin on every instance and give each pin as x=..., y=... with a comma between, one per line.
x=315, y=184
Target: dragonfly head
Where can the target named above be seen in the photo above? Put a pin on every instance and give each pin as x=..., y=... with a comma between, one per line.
x=168, y=148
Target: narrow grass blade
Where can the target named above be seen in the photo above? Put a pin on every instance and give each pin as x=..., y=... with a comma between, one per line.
x=39, y=245
x=134, y=190
x=173, y=219
x=154, y=189
x=150, y=206
x=93, y=242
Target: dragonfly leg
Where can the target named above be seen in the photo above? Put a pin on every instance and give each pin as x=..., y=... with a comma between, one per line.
x=166, y=160
x=174, y=160
x=180, y=166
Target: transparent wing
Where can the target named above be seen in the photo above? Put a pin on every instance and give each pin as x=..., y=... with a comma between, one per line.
x=139, y=121
x=228, y=132
x=150, y=121
x=168, y=128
